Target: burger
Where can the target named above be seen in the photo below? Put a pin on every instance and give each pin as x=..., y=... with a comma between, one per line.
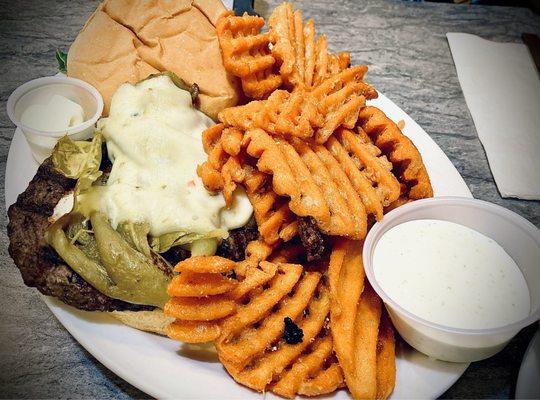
x=103, y=221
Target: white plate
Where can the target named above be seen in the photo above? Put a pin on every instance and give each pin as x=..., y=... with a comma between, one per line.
x=528, y=383
x=164, y=369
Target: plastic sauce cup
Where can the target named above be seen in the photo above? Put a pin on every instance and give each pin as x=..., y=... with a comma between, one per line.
x=39, y=91
x=519, y=238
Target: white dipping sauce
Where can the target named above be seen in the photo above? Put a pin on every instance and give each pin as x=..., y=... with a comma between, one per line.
x=449, y=274
x=57, y=114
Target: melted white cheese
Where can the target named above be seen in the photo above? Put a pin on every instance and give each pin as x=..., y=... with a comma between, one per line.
x=153, y=136
x=451, y=275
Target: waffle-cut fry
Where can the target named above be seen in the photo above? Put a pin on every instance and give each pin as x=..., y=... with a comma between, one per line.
x=354, y=323
x=341, y=222
x=362, y=185
x=204, y=264
x=200, y=298
x=290, y=176
x=365, y=356
x=260, y=371
x=386, y=359
x=282, y=29
x=254, y=340
x=398, y=148
x=309, y=53
x=211, y=177
x=303, y=114
x=193, y=331
x=303, y=61
x=283, y=113
x=260, y=305
x=341, y=96
x=340, y=115
x=249, y=334
x=376, y=168
x=273, y=216
x=246, y=53
x=189, y=284
x=232, y=173
x=200, y=308
x=327, y=381
x=317, y=182
x=295, y=378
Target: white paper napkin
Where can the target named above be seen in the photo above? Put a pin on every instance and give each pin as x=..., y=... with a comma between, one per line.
x=502, y=90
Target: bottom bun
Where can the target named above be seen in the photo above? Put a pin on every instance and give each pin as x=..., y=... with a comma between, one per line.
x=150, y=321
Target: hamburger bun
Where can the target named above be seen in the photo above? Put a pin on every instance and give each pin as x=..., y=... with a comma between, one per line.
x=150, y=321
x=128, y=40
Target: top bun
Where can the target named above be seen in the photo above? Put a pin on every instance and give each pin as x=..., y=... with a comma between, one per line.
x=127, y=40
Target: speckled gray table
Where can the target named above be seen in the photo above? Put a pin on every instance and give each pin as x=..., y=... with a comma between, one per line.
x=405, y=46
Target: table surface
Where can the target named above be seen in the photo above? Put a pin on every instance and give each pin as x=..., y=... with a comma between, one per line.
x=404, y=45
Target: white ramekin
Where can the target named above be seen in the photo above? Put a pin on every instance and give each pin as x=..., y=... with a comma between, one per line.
x=38, y=91
x=519, y=238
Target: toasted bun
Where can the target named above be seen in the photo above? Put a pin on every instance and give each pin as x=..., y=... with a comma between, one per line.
x=127, y=40
x=149, y=321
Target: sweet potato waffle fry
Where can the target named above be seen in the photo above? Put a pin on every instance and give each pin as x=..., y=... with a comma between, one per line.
x=304, y=61
x=337, y=184
x=255, y=350
x=246, y=53
x=200, y=299
x=288, y=56
x=363, y=342
x=398, y=148
x=305, y=114
x=340, y=98
x=246, y=318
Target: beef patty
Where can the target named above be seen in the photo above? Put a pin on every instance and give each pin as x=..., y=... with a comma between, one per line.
x=42, y=268
x=39, y=264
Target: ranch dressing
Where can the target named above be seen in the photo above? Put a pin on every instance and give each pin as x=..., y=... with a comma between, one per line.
x=56, y=114
x=153, y=136
x=449, y=274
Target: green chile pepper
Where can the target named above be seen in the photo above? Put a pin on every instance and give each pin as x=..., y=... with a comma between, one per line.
x=134, y=273
x=117, y=270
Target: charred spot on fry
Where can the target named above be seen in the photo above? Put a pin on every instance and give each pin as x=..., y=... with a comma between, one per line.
x=292, y=334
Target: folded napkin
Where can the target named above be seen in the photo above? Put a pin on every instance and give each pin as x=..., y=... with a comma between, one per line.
x=502, y=90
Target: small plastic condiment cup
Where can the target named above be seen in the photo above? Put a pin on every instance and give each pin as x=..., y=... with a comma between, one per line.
x=39, y=91
x=519, y=238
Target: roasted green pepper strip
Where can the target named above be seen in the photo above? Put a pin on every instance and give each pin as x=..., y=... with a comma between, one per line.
x=130, y=270
x=88, y=269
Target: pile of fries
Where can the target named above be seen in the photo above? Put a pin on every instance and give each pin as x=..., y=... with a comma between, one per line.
x=304, y=145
